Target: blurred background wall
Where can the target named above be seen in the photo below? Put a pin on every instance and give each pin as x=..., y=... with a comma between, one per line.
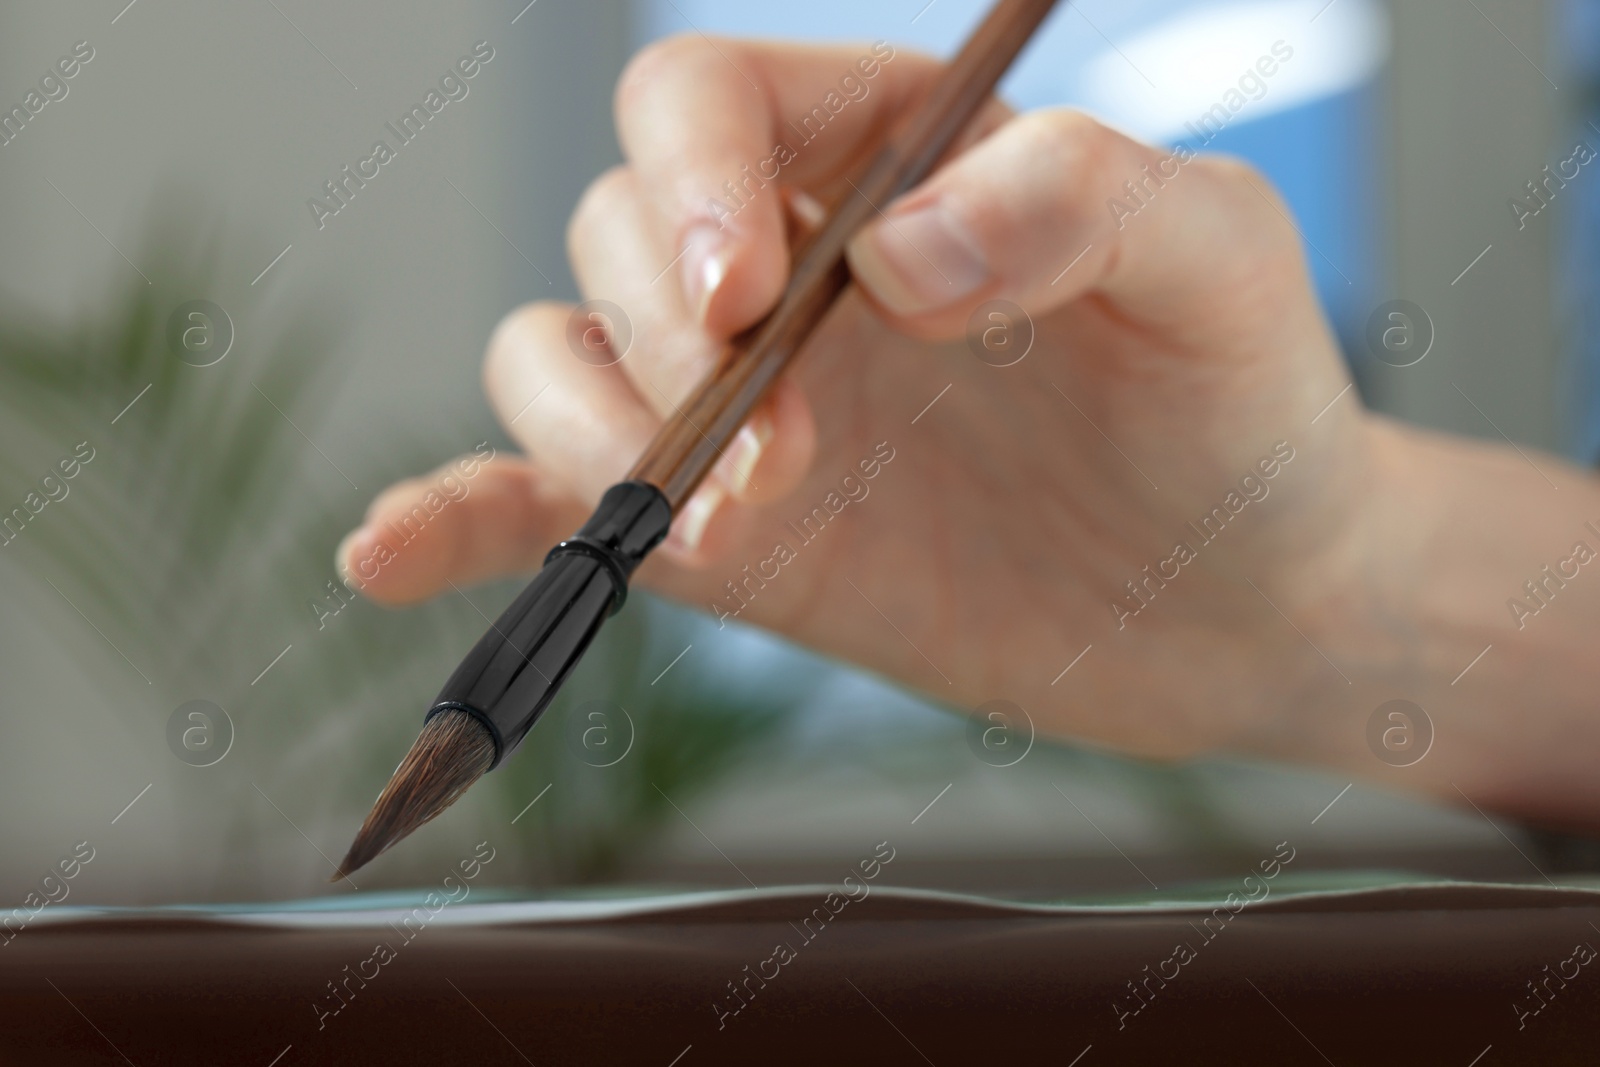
x=196, y=547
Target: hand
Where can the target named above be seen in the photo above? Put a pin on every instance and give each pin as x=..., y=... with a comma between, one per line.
x=1181, y=349
x=1171, y=475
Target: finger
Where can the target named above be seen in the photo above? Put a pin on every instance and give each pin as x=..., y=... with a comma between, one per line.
x=766, y=461
x=614, y=254
x=466, y=522
x=713, y=125
x=1054, y=205
x=584, y=425
x=670, y=355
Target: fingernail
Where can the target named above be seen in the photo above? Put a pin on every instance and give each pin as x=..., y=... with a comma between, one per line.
x=689, y=528
x=918, y=261
x=807, y=208
x=744, y=453
x=704, y=266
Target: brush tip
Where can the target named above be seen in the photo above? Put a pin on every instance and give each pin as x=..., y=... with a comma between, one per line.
x=453, y=751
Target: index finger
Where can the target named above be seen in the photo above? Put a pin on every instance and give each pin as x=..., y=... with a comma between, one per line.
x=714, y=126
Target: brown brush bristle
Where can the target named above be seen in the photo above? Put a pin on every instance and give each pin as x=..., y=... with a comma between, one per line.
x=453, y=751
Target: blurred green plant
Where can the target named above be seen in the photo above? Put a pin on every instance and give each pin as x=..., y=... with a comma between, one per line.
x=199, y=539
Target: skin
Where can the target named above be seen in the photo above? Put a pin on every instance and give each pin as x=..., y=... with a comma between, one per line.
x=1181, y=347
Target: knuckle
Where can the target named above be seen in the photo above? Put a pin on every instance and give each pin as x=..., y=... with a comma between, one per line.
x=1070, y=137
x=1244, y=213
x=653, y=63
x=1063, y=126
x=1090, y=155
x=1238, y=176
x=600, y=199
x=519, y=337
x=1255, y=200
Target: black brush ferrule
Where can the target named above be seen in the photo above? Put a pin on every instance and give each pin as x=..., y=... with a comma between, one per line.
x=515, y=669
x=631, y=520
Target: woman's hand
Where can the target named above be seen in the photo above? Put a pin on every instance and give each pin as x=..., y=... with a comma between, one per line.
x=1173, y=473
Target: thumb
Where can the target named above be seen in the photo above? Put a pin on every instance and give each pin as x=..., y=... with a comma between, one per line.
x=1053, y=205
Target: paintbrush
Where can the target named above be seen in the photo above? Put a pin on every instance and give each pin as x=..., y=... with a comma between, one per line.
x=512, y=673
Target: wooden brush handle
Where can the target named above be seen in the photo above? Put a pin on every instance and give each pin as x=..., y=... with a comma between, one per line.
x=692, y=440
